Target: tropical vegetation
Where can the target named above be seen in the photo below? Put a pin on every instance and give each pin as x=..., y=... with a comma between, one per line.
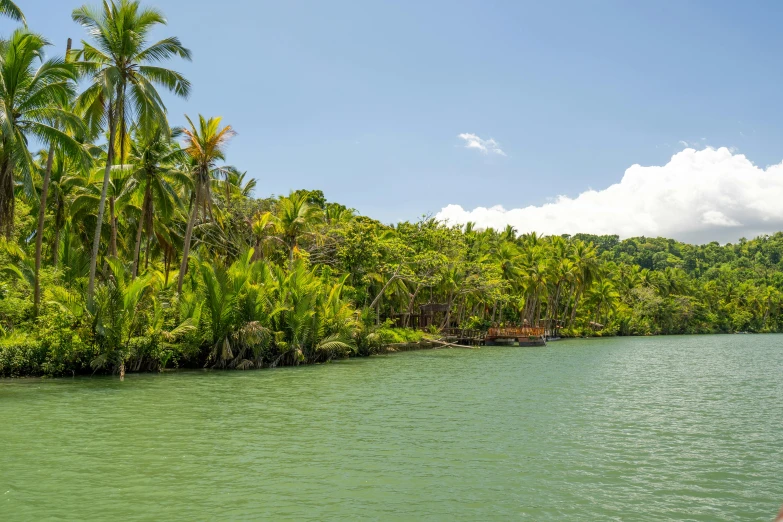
x=130, y=244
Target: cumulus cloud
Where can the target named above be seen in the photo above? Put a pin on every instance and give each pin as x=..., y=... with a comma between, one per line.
x=698, y=196
x=489, y=146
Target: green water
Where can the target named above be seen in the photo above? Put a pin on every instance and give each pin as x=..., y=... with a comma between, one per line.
x=618, y=429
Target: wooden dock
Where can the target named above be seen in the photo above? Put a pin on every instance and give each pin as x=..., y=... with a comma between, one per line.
x=464, y=336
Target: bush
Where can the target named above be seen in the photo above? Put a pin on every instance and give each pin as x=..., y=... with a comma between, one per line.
x=401, y=335
x=66, y=342
x=20, y=356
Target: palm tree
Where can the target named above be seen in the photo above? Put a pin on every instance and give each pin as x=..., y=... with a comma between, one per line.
x=12, y=11
x=118, y=312
x=605, y=297
x=42, y=212
x=295, y=218
x=32, y=93
x=585, y=259
x=32, y=101
x=263, y=227
x=234, y=185
x=123, y=81
x=119, y=192
x=205, y=146
x=154, y=157
x=67, y=181
x=336, y=214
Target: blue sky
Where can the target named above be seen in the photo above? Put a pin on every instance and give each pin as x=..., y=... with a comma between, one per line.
x=365, y=100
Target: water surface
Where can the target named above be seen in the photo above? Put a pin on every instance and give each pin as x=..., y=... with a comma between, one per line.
x=661, y=428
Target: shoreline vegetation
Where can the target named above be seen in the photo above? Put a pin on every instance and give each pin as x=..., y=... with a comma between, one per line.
x=131, y=245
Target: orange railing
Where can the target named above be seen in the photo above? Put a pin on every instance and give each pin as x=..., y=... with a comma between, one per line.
x=515, y=332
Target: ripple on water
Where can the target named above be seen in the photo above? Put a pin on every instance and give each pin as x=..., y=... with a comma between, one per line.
x=613, y=429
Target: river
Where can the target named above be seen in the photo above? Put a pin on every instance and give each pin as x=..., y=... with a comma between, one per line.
x=605, y=429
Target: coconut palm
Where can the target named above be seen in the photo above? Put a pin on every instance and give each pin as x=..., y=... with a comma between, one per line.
x=205, y=146
x=42, y=213
x=234, y=185
x=295, y=218
x=585, y=259
x=336, y=214
x=124, y=75
x=67, y=181
x=32, y=94
x=605, y=297
x=12, y=11
x=154, y=158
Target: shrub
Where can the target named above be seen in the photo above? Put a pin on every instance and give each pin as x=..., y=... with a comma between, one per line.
x=21, y=355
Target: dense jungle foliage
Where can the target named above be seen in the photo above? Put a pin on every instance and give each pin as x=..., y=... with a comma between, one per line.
x=131, y=245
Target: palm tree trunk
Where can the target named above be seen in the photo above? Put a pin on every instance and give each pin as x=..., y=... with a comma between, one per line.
x=166, y=266
x=113, y=236
x=58, y=216
x=147, y=252
x=145, y=210
x=96, y=242
x=7, y=202
x=137, y=245
x=39, y=232
x=555, y=313
x=576, y=304
x=186, y=244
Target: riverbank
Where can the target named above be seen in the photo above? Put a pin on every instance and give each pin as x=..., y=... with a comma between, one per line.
x=24, y=357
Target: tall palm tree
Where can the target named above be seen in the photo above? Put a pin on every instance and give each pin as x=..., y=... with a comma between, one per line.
x=32, y=92
x=205, y=146
x=605, y=297
x=33, y=98
x=12, y=11
x=154, y=157
x=124, y=80
x=68, y=180
x=42, y=212
x=585, y=259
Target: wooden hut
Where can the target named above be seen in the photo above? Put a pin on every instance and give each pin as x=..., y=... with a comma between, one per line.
x=432, y=314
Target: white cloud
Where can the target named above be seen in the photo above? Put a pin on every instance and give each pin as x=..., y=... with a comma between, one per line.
x=489, y=146
x=698, y=196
